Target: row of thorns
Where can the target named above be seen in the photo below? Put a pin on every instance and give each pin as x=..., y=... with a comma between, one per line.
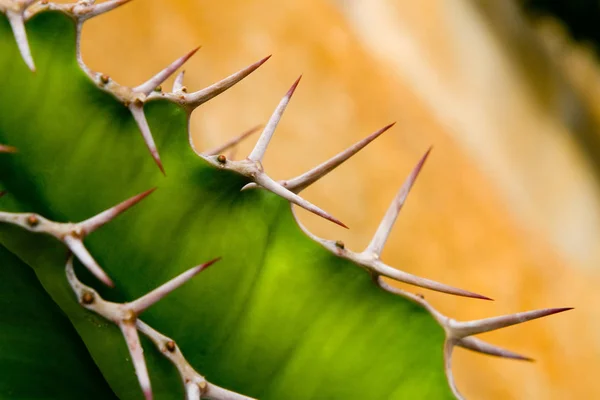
x=126, y=315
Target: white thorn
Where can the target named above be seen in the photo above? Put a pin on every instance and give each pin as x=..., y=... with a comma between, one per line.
x=178, y=83
x=141, y=304
x=192, y=391
x=448, y=349
x=137, y=356
x=18, y=27
x=76, y=246
x=401, y=276
x=387, y=223
x=303, y=181
x=151, y=84
x=266, y=182
x=138, y=114
x=231, y=143
x=90, y=10
x=459, y=330
x=91, y=224
x=195, y=99
x=479, y=346
x=260, y=148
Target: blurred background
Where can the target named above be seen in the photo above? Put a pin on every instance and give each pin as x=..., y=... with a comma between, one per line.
x=506, y=92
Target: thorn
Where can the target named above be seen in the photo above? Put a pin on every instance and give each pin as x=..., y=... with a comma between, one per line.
x=387, y=223
x=265, y=181
x=141, y=304
x=138, y=114
x=259, y=150
x=77, y=247
x=91, y=224
x=192, y=391
x=202, y=96
x=151, y=84
x=411, y=279
x=137, y=357
x=231, y=143
x=178, y=84
x=303, y=181
x=18, y=27
x=91, y=10
x=463, y=329
x=479, y=346
x=7, y=149
x=448, y=350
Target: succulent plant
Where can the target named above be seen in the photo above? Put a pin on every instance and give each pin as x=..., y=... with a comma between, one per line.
x=283, y=314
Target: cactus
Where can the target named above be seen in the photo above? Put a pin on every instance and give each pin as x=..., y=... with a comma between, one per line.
x=282, y=314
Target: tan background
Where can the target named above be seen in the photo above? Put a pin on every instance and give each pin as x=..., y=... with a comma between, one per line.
x=508, y=204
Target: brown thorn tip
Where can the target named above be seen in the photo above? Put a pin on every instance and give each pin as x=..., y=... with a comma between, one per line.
x=294, y=86
x=209, y=263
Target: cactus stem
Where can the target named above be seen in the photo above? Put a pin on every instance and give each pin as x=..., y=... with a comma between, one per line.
x=178, y=83
x=301, y=182
x=459, y=330
x=232, y=143
x=479, y=346
x=151, y=84
x=195, y=99
x=260, y=148
x=387, y=223
x=140, y=119
x=16, y=19
x=141, y=304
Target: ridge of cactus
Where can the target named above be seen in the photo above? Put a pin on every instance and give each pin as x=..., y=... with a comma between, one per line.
x=285, y=314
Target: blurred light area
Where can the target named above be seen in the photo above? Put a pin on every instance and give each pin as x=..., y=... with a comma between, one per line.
x=508, y=205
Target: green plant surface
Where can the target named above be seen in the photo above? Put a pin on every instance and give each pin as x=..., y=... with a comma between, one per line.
x=278, y=317
x=41, y=355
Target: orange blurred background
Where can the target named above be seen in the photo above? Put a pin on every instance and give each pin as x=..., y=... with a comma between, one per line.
x=508, y=204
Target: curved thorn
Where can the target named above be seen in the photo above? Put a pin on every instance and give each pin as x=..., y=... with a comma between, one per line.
x=448, y=350
x=91, y=224
x=18, y=27
x=479, y=346
x=7, y=149
x=140, y=119
x=155, y=295
x=178, y=83
x=76, y=246
x=266, y=182
x=137, y=357
x=231, y=143
x=411, y=279
x=387, y=223
x=303, y=181
x=202, y=96
x=151, y=84
x=260, y=148
x=95, y=10
x=464, y=329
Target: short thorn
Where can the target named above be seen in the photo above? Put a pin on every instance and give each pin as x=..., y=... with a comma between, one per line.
x=140, y=119
x=18, y=27
x=137, y=356
x=232, y=142
x=178, y=83
x=76, y=246
x=479, y=346
x=7, y=149
x=387, y=223
x=259, y=150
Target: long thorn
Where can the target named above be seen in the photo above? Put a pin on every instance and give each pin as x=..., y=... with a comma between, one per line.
x=411, y=279
x=387, y=223
x=479, y=346
x=18, y=27
x=303, y=181
x=229, y=144
x=151, y=298
x=448, y=351
x=202, y=96
x=90, y=225
x=138, y=114
x=266, y=182
x=137, y=357
x=76, y=246
x=464, y=329
x=260, y=148
x=151, y=84
x=97, y=9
